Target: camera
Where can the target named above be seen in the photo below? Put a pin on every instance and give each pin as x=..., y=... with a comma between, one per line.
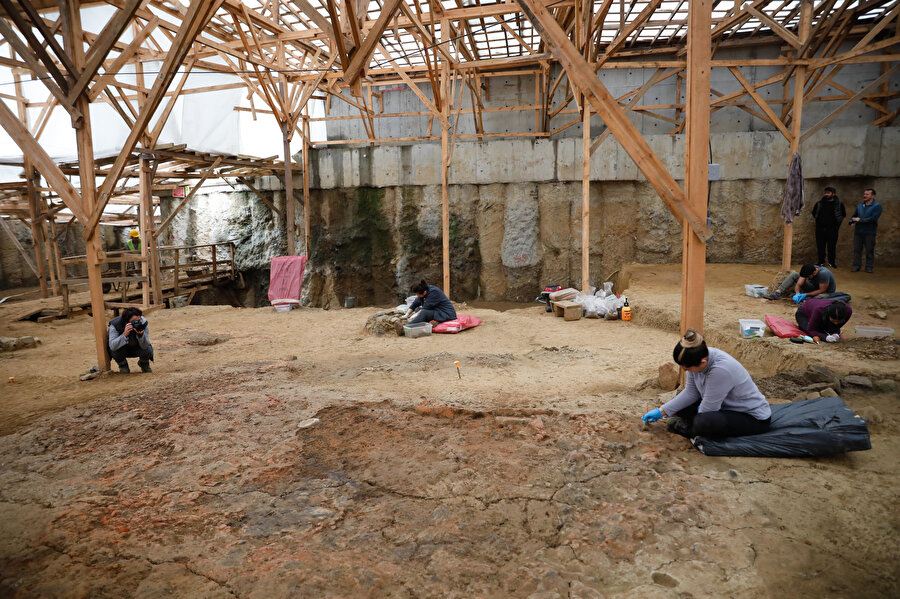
x=139, y=325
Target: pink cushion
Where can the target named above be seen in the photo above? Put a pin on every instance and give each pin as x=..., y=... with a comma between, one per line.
x=782, y=327
x=460, y=323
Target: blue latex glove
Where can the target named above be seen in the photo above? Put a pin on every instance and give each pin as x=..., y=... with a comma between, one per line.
x=798, y=297
x=652, y=416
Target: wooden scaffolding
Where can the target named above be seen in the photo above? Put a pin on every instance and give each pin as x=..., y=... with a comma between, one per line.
x=286, y=52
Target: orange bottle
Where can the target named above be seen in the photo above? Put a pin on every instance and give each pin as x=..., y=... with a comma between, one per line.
x=626, y=311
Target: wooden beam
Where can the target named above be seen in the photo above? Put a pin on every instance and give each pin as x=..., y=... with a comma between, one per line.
x=776, y=27
x=582, y=74
x=773, y=118
x=35, y=45
x=70, y=15
x=170, y=105
x=40, y=72
x=198, y=13
x=102, y=45
x=338, y=37
x=45, y=165
x=290, y=224
x=413, y=87
x=585, y=196
x=261, y=197
x=626, y=31
x=316, y=17
x=445, y=167
x=306, y=177
x=32, y=182
x=308, y=92
x=363, y=53
x=183, y=203
x=860, y=94
x=660, y=75
x=796, y=124
x=696, y=171
x=123, y=57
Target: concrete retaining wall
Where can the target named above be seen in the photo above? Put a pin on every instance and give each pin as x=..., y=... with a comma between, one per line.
x=515, y=212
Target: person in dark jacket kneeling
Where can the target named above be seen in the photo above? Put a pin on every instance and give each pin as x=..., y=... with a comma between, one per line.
x=129, y=337
x=823, y=318
x=435, y=307
x=719, y=398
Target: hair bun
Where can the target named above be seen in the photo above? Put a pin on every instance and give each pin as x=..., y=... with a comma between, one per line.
x=691, y=339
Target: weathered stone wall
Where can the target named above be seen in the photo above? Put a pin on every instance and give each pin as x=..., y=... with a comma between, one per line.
x=508, y=239
x=15, y=273
x=520, y=201
x=515, y=213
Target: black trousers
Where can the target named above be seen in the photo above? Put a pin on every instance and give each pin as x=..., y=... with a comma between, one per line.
x=721, y=424
x=826, y=241
x=132, y=350
x=860, y=241
x=802, y=320
x=422, y=315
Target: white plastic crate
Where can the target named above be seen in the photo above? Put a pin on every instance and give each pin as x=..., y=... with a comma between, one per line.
x=752, y=328
x=417, y=329
x=867, y=331
x=755, y=290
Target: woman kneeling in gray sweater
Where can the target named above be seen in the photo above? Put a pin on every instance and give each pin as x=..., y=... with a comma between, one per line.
x=719, y=398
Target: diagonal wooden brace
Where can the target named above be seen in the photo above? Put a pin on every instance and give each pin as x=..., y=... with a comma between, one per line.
x=581, y=73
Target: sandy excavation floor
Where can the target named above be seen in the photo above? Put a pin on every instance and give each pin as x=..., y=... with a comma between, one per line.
x=528, y=477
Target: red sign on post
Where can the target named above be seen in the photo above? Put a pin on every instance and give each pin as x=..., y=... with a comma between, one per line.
x=178, y=192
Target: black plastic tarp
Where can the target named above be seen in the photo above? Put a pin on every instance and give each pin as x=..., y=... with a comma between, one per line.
x=815, y=427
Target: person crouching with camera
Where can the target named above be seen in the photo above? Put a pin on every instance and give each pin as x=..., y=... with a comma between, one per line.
x=129, y=337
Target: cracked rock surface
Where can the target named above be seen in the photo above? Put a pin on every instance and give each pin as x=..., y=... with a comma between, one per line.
x=210, y=489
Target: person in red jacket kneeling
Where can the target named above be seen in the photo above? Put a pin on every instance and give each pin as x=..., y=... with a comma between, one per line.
x=823, y=318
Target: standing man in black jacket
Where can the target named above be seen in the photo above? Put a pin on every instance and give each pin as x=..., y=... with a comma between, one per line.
x=829, y=213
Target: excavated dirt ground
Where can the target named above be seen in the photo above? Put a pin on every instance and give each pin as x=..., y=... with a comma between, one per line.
x=528, y=477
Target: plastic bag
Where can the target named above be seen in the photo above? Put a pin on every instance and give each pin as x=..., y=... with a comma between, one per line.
x=592, y=306
x=607, y=289
x=402, y=308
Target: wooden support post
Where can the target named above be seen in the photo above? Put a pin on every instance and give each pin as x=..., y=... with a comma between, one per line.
x=445, y=152
x=306, y=176
x=289, y=192
x=796, y=121
x=176, y=270
x=584, y=77
x=215, y=266
x=145, y=218
x=53, y=246
x=231, y=258
x=696, y=172
x=38, y=233
x=156, y=283
x=123, y=271
x=73, y=37
x=585, y=196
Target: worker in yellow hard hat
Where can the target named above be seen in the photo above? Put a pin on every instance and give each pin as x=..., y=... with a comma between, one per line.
x=134, y=240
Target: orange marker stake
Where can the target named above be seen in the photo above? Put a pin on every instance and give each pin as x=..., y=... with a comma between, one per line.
x=457, y=369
